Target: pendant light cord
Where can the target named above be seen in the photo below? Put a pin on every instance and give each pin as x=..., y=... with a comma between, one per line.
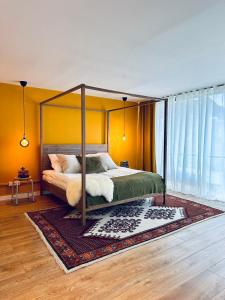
x=24, y=121
x=124, y=117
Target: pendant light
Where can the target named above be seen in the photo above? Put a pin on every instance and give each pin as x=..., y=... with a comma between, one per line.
x=24, y=142
x=124, y=119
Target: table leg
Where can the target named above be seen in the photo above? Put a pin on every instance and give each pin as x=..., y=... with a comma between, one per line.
x=12, y=192
x=32, y=187
x=17, y=192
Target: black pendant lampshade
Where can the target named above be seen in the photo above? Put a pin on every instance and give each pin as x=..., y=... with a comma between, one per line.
x=24, y=141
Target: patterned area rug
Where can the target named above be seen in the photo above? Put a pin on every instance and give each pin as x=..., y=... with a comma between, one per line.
x=72, y=250
x=122, y=221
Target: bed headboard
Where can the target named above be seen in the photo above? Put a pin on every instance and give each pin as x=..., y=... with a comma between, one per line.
x=67, y=149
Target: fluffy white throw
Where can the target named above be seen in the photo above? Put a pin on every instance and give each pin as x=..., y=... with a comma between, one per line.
x=96, y=185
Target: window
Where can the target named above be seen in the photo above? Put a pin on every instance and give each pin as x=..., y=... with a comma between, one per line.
x=196, y=143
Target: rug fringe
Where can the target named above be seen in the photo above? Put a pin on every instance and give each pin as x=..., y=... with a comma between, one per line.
x=49, y=247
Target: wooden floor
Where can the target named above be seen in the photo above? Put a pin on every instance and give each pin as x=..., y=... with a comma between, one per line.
x=189, y=264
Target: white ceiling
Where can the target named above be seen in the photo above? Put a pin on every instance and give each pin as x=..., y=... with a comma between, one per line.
x=152, y=47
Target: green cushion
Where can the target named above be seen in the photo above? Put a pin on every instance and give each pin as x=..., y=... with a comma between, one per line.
x=93, y=164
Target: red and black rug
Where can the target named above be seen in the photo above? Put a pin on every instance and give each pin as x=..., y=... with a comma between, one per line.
x=64, y=237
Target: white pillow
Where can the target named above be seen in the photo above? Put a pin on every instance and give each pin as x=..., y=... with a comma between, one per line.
x=69, y=163
x=106, y=160
x=55, y=163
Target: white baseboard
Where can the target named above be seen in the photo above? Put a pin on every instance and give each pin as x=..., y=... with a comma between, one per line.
x=20, y=196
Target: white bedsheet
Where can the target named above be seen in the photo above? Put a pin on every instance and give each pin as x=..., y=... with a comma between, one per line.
x=61, y=180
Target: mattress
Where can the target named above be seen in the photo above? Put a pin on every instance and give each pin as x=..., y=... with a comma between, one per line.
x=128, y=183
x=61, y=179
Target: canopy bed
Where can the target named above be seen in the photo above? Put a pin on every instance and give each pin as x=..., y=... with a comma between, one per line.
x=129, y=184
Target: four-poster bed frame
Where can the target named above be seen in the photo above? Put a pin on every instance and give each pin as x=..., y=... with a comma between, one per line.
x=87, y=148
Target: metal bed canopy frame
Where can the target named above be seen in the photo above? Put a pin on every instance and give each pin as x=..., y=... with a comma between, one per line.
x=82, y=88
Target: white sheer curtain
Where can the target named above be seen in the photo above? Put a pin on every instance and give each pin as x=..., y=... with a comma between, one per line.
x=196, y=143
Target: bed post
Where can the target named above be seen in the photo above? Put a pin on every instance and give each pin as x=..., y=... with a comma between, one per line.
x=108, y=130
x=165, y=149
x=41, y=147
x=83, y=152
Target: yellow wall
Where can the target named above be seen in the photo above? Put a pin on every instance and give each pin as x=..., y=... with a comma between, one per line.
x=61, y=126
x=119, y=149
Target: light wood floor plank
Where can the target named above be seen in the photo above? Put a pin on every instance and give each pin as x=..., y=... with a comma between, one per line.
x=219, y=268
x=164, y=269
x=219, y=296
x=159, y=283
x=197, y=288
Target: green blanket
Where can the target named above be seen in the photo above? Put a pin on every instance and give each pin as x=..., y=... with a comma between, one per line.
x=131, y=186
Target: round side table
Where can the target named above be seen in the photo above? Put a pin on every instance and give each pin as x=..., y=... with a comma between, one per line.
x=16, y=183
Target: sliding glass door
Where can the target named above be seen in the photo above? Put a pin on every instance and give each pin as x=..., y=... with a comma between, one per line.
x=196, y=143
